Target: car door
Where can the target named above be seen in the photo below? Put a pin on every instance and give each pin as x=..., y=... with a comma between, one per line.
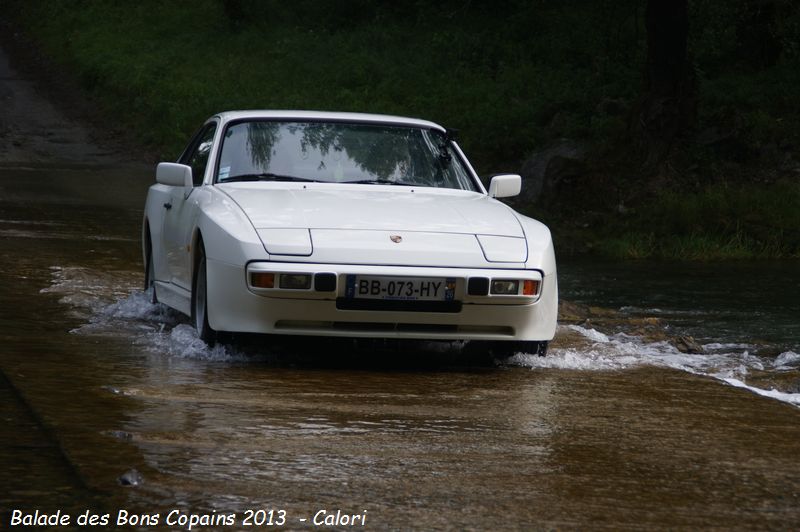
x=181, y=210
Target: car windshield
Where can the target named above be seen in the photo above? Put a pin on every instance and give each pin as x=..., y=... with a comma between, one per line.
x=340, y=152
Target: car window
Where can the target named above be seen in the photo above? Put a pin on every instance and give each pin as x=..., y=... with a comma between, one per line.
x=341, y=152
x=197, y=156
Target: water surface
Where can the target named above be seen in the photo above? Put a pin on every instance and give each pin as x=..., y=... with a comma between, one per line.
x=610, y=431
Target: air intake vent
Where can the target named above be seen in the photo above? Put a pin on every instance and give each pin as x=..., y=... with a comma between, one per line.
x=478, y=286
x=325, y=282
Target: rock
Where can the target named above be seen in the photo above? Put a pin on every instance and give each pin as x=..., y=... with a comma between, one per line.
x=548, y=169
x=121, y=435
x=131, y=478
x=770, y=351
x=793, y=387
x=687, y=344
x=609, y=321
x=569, y=312
x=602, y=312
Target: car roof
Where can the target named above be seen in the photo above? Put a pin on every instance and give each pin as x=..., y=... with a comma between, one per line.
x=228, y=116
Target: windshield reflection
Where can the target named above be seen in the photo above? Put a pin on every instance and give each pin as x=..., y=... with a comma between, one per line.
x=340, y=153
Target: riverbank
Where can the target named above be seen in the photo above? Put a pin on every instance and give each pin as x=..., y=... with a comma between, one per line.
x=155, y=71
x=714, y=222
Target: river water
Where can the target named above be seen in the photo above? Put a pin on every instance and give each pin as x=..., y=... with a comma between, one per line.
x=610, y=431
x=743, y=314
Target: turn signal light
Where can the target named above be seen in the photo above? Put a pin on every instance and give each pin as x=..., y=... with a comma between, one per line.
x=262, y=279
x=530, y=288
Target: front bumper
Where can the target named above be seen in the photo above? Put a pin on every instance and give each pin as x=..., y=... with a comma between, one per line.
x=236, y=307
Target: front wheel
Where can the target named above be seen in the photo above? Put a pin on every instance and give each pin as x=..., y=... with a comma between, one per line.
x=501, y=349
x=200, y=300
x=149, y=275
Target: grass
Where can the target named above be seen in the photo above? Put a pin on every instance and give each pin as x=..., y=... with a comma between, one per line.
x=508, y=83
x=741, y=221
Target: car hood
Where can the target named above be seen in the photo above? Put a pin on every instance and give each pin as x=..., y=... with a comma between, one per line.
x=374, y=207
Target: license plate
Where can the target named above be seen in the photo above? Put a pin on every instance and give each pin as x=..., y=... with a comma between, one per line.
x=400, y=288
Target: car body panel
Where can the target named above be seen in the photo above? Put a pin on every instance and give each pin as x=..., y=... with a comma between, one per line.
x=383, y=207
x=417, y=248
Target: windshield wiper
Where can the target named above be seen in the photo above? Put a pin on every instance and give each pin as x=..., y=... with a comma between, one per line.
x=381, y=182
x=268, y=177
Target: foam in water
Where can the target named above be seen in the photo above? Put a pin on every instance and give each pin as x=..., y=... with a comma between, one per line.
x=730, y=363
x=787, y=361
x=182, y=341
x=791, y=398
x=110, y=304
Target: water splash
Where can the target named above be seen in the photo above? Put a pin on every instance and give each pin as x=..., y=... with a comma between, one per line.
x=111, y=303
x=734, y=364
x=791, y=398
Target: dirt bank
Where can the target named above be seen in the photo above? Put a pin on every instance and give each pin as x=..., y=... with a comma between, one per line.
x=45, y=119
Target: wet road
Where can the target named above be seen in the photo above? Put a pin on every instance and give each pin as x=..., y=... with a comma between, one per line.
x=96, y=382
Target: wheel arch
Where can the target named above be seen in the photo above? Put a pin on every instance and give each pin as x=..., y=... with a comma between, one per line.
x=197, y=243
x=147, y=252
x=147, y=238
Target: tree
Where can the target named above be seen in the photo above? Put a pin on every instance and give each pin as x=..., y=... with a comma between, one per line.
x=667, y=107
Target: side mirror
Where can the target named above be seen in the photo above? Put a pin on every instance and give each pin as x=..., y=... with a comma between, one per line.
x=174, y=175
x=505, y=186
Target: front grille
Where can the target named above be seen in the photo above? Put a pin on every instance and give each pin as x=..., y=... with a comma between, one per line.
x=392, y=327
x=398, y=306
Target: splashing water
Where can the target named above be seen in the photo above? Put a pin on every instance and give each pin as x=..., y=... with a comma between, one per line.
x=110, y=304
x=730, y=363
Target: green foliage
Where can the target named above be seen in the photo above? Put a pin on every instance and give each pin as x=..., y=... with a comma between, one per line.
x=509, y=81
x=511, y=76
x=747, y=55
x=716, y=222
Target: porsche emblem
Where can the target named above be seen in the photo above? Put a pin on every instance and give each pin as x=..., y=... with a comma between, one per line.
x=396, y=238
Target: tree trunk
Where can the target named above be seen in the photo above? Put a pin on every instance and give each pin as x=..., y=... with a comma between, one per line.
x=667, y=107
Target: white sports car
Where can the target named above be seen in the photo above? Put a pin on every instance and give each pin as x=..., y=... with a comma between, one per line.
x=341, y=224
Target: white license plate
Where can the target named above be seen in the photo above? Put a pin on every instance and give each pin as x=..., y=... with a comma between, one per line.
x=400, y=288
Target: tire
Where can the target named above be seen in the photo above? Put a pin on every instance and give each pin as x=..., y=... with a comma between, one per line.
x=533, y=348
x=500, y=349
x=200, y=299
x=149, y=276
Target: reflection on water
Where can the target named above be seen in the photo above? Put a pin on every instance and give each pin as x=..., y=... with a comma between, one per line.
x=98, y=381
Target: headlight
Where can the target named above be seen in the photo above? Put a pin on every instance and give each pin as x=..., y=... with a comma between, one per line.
x=515, y=287
x=295, y=281
x=505, y=287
